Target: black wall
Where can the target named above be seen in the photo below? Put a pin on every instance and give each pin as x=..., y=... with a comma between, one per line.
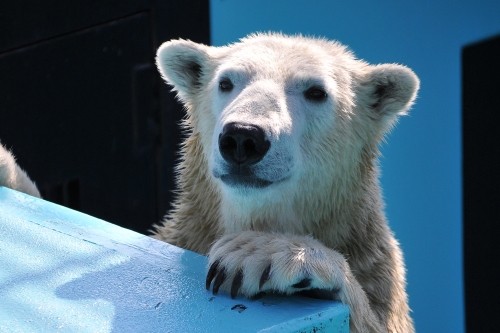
x=481, y=179
x=83, y=107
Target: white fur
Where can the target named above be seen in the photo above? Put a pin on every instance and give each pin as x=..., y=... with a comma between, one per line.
x=12, y=176
x=321, y=219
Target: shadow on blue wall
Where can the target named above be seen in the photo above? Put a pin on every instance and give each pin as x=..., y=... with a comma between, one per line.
x=136, y=292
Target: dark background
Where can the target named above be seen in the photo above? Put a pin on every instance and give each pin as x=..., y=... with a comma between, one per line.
x=481, y=181
x=83, y=107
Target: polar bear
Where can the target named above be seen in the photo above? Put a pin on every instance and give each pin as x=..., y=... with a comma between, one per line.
x=12, y=176
x=278, y=178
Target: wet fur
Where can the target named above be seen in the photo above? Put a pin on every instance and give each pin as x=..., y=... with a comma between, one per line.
x=332, y=232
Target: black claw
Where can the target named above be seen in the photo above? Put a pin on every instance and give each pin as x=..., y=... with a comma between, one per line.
x=211, y=273
x=265, y=276
x=238, y=280
x=219, y=280
x=304, y=283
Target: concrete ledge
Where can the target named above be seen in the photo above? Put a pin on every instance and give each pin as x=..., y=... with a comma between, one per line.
x=64, y=271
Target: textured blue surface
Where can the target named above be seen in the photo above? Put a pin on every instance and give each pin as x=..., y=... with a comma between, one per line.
x=65, y=271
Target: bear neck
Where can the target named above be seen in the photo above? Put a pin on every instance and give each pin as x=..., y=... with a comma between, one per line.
x=354, y=207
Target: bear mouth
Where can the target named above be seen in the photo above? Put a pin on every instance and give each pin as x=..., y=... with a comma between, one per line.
x=235, y=180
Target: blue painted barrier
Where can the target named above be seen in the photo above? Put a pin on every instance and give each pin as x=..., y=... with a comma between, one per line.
x=64, y=271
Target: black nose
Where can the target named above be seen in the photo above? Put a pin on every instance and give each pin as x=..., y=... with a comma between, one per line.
x=243, y=144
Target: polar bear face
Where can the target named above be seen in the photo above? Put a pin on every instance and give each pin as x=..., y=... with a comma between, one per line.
x=264, y=106
x=281, y=117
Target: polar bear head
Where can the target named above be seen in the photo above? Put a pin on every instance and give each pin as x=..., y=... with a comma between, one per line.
x=284, y=120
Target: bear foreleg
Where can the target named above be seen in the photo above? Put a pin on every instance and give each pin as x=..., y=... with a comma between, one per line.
x=250, y=263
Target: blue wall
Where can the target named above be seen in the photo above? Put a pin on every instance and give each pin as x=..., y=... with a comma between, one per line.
x=422, y=162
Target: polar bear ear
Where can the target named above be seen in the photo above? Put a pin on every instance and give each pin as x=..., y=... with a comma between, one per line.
x=390, y=90
x=181, y=64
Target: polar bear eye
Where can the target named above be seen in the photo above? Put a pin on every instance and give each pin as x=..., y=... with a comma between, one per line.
x=225, y=85
x=315, y=94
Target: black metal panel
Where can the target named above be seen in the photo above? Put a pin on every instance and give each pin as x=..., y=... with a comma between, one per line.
x=24, y=22
x=481, y=181
x=83, y=107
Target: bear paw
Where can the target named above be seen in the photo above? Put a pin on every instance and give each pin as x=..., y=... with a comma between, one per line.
x=251, y=263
